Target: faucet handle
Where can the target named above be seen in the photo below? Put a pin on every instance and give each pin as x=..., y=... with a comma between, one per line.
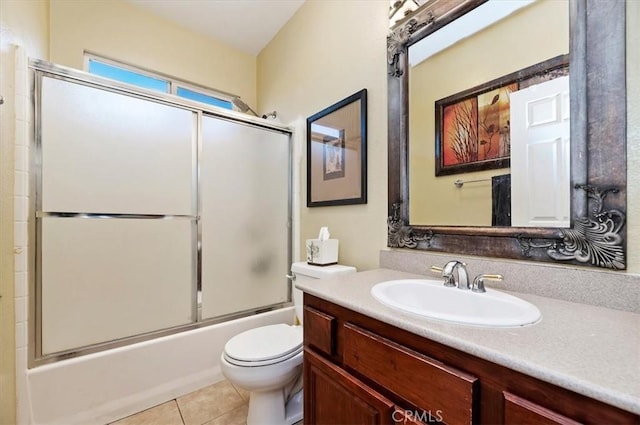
x=478, y=282
x=436, y=269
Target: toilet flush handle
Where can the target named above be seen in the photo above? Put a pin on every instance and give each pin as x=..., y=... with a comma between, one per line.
x=291, y=277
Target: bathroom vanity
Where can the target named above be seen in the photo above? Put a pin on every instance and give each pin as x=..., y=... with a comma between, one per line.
x=365, y=363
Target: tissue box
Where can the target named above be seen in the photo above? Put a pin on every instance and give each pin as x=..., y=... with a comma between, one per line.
x=322, y=252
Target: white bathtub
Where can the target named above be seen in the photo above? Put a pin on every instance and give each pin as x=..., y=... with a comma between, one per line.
x=103, y=387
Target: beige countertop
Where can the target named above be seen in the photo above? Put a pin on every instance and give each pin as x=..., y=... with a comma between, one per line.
x=591, y=350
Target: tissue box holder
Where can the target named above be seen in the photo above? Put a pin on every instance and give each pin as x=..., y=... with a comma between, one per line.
x=322, y=252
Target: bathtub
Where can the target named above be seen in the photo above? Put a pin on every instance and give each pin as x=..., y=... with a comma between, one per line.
x=106, y=386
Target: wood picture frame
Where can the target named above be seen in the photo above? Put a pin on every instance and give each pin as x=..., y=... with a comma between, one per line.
x=337, y=153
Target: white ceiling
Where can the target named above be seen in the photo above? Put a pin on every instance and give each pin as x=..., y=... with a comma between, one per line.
x=247, y=25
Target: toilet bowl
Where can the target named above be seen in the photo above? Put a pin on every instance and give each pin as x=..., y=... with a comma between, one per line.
x=267, y=361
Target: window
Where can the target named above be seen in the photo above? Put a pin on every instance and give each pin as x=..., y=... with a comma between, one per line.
x=129, y=77
x=201, y=97
x=155, y=81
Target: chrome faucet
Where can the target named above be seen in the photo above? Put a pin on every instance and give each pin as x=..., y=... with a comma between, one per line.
x=463, y=277
x=448, y=270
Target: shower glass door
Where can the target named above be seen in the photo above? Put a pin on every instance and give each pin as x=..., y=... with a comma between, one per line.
x=244, y=217
x=116, y=215
x=153, y=215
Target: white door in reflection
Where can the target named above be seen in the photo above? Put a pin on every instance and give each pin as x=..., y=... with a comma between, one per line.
x=540, y=139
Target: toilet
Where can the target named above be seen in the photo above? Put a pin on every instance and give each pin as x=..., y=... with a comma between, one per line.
x=267, y=361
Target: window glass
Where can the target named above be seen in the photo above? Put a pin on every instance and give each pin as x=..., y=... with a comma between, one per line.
x=164, y=85
x=199, y=97
x=126, y=76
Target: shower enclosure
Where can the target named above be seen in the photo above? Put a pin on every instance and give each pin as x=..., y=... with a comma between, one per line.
x=152, y=214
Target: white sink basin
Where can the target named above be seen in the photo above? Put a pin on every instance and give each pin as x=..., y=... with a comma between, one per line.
x=431, y=299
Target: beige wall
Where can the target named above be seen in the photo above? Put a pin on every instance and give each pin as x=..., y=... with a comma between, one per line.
x=328, y=51
x=121, y=31
x=507, y=46
x=25, y=24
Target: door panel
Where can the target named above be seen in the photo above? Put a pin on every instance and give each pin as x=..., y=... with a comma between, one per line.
x=540, y=139
x=106, y=279
x=244, y=215
x=104, y=152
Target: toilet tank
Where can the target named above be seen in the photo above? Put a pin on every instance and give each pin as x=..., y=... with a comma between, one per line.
x=305, y=272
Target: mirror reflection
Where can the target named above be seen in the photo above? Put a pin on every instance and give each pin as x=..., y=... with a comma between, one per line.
x=489, y=120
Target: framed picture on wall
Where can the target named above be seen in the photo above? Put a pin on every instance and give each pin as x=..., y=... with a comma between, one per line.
x=337, y=153
x=473, y=128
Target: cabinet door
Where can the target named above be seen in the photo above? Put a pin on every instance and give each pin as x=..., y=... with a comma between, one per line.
x=332, y=396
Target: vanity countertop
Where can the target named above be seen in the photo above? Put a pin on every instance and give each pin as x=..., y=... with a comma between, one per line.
x=590, y=350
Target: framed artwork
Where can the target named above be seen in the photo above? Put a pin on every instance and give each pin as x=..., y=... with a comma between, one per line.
x=473, y=128
x=337, y=153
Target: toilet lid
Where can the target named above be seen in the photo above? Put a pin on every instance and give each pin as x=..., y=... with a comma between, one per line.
x=265, y=343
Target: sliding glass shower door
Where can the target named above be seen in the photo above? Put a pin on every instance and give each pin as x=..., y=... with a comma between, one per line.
x=116, y=215
x=244, y=196
x=153, y=214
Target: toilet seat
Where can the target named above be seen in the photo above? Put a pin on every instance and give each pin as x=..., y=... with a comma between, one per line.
x=264, y=346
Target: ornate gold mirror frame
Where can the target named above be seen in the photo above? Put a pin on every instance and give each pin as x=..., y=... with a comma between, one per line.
x=597, y=236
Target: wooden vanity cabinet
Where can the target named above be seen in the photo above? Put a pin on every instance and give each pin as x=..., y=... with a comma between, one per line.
x=359, y=370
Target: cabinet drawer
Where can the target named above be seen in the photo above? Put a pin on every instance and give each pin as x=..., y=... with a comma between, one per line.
x=518, y=410
x=319, y=330
x=429, y=384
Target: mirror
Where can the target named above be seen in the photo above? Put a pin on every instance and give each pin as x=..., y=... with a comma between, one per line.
x=454, y=205
x=460, y=128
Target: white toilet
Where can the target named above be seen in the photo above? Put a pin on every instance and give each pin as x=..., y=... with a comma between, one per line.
x=267, y=361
